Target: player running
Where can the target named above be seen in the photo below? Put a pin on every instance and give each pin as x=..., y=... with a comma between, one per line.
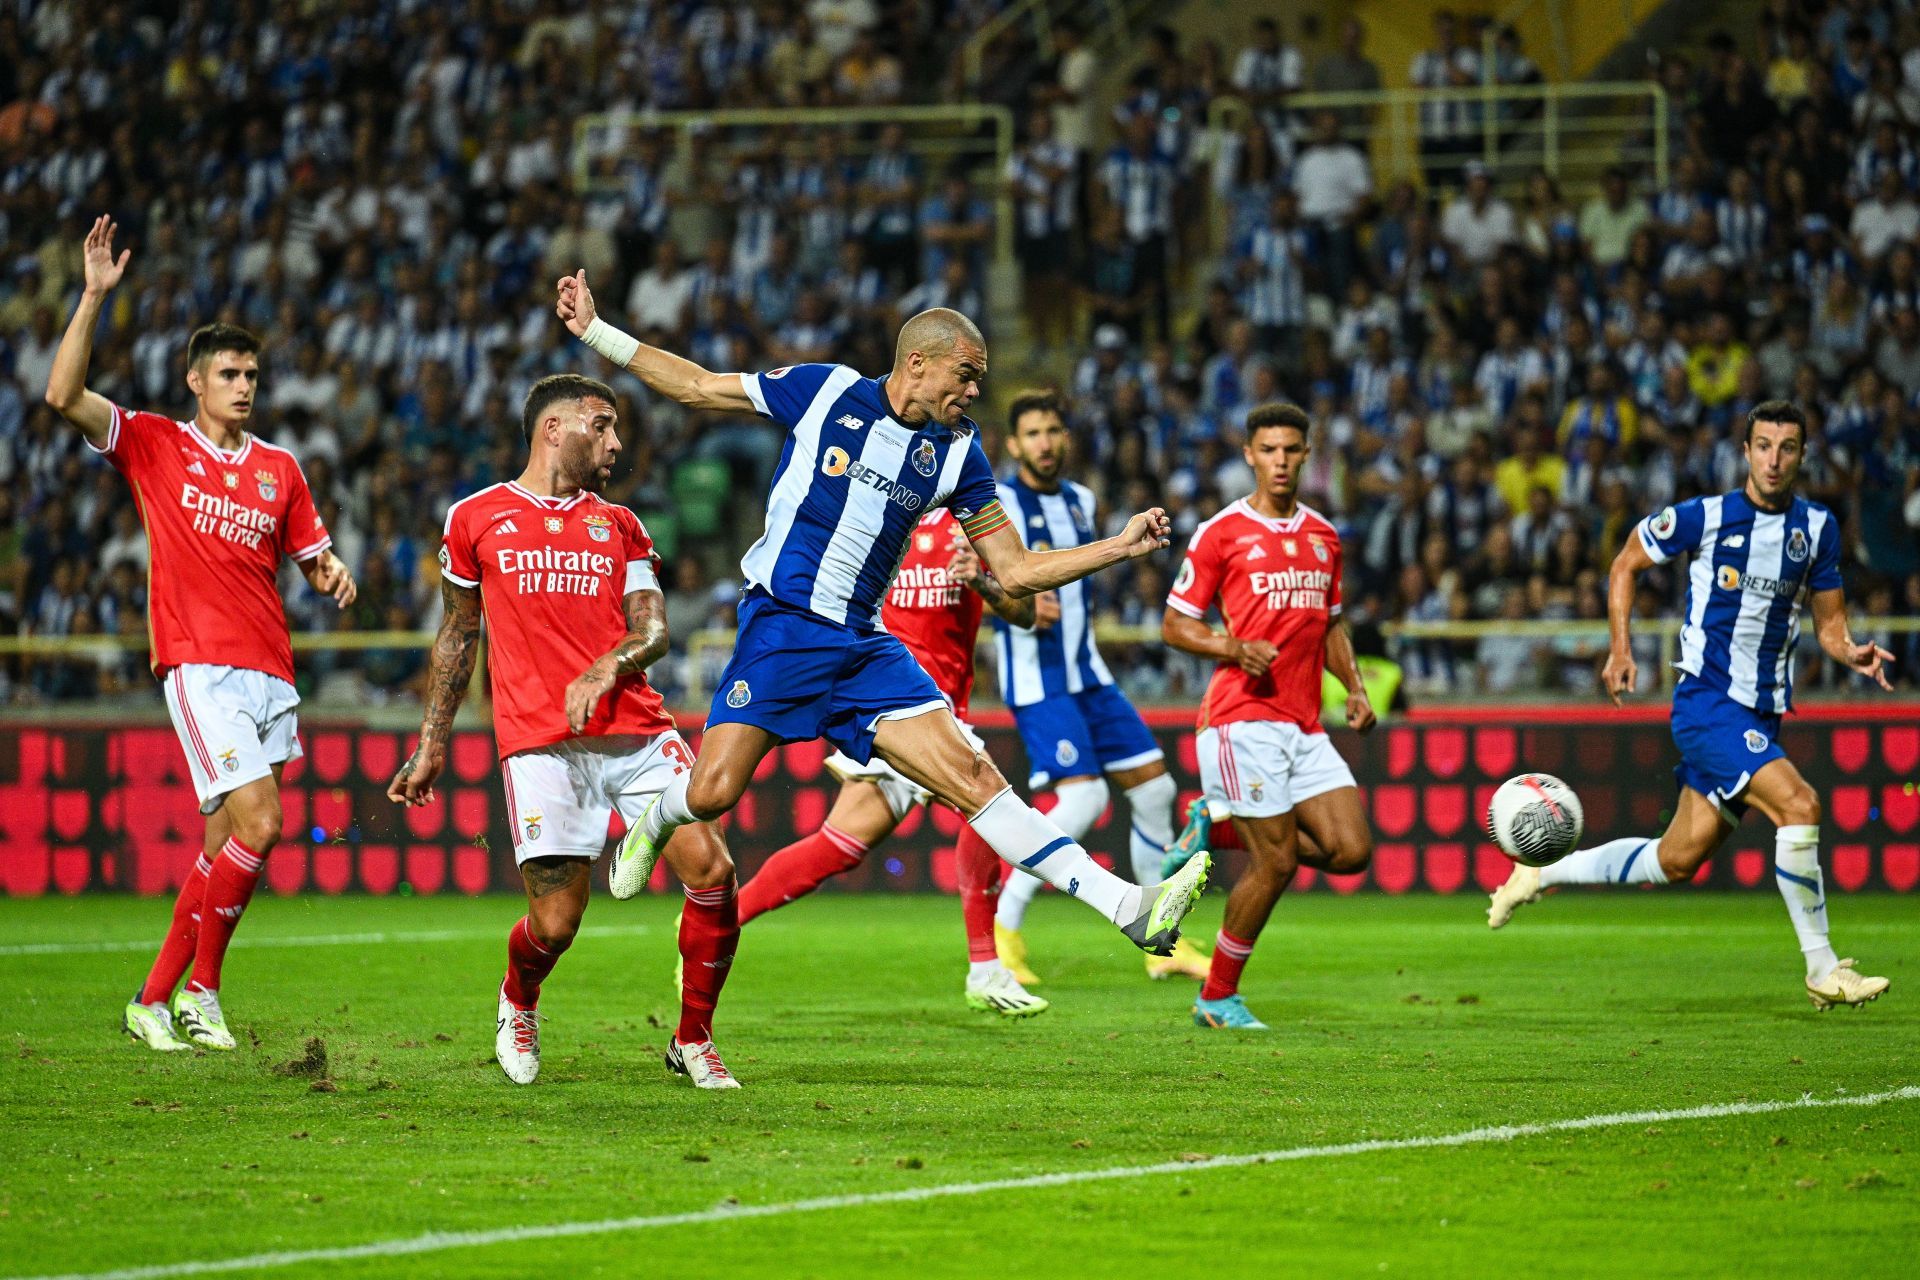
x=222, y=508
x=934, y=607
x=1076, y=724
x=566, y=581
x=866, y=458
x=1757, y=554
x=1273, y=567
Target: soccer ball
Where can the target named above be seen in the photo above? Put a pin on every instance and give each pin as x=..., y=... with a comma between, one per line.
x=1535, y=818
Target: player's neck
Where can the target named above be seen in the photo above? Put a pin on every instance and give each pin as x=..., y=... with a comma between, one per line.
x=1039, y=485
x=1273, y=508
x=229, y=437
x=545, y=482
x=1772, y=506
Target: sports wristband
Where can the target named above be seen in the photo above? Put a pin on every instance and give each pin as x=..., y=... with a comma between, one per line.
x=616, y=345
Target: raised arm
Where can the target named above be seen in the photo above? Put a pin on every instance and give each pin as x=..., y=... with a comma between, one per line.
x=67, y=384
x=1836, y=638
x=1620, y=673
x=669, y=375
x=1023, y=572
x=449, y=671
x=965, y=569
x=642, y=646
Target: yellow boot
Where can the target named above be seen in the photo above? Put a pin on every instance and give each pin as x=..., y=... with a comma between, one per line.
x=1187, y=960
x=1013, y=954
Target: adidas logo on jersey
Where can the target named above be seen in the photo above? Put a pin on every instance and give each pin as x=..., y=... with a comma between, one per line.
x=850, y=422
x=506, y=526
x=1258, y=553
x=195, y=469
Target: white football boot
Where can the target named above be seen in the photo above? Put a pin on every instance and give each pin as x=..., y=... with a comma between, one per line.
x=152, y=1026
x=700, y=1063
x=1843, y=986
x=516, y=1041
x=1521, y=888
x=197, y=1011
x=998, y=991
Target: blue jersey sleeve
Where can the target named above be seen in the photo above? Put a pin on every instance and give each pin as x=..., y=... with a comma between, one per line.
x=1825, y=574
x=1669, y=532
x=786, y=394
x=975, y=501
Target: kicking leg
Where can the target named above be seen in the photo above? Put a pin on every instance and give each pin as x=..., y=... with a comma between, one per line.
x=861, y=818
x=1273, y=846
x=1698, y=828
x=557, y=891
x=1078, y=803
x=729, y=753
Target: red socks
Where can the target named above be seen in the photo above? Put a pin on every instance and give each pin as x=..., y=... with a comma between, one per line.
x=176, y=953
x=229, y=888
x=529, y=961
x=799, y=869
x=709, y=934
x=1229, y=958
x=977, y=868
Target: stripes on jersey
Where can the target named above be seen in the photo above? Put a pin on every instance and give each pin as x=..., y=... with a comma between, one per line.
x=1751, y=570
x=1062, y=658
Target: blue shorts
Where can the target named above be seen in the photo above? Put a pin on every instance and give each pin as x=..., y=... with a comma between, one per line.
x=801, y=677
x=1091, y=732
x=1722, y=744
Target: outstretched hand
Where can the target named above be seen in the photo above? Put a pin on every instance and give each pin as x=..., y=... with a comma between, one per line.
x=103, y=270
x=573, y=302
x=1146, y=533
x=1870, y=660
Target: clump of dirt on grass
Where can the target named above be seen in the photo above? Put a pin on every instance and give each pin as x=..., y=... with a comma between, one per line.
x=310, y=1065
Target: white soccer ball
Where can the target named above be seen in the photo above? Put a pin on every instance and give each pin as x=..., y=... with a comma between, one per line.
x=1536, y=819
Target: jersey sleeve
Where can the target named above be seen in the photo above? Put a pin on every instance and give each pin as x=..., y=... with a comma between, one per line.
x=131, y=437
x=459, y=562
x=643, y=562
x=1334, y=601
x=1668, y=532
x=975, y=500
x=786, y=394
x=304, y=535
x=1198, y=581
x=1825, y=574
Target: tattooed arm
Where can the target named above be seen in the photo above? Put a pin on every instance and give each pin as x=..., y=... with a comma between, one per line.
x=643, y=645
x=449, y=672
x=966, y=570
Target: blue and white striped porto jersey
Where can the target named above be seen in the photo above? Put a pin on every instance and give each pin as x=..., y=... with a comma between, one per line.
x=850, y=487
x=1751, y=571
x=1062, y=659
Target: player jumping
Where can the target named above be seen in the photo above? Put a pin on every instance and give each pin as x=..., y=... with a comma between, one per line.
x=1273, y=566
x=222, y=508
x=566, y=580
x=1757, y=554
x=1076, y=724
x=934, y=606
x=864, y=460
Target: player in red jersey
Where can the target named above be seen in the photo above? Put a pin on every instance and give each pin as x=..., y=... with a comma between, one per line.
x=934, y=607
x=222, y=509
x=1273, y=566
x=566, y=582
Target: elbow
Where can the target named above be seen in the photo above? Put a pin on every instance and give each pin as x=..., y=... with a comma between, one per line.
x=63, y=403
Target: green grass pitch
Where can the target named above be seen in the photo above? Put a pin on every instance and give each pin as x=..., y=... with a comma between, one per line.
x=1393, y=1018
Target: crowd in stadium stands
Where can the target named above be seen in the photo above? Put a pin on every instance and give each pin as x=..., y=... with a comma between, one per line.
x=1503, y=380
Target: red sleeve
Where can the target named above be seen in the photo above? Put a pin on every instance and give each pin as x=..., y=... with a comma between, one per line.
x=303, y=536
x=1199, y=578
x=1339, y=571
x=131, y=437
x=458, y=563
x=643, y=562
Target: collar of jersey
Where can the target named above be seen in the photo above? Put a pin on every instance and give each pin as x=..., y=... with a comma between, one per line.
x=222, y=456
x=1291, y=525
x=558, y=504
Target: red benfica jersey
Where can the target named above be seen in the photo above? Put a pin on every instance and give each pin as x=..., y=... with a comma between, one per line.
x=937, y=619
x=218, y=524
x=553, y=574
x=1275, y=580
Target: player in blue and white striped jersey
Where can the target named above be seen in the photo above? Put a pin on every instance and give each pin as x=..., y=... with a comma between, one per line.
x=865, y=458
x=1758, y=553
x=1078, y=728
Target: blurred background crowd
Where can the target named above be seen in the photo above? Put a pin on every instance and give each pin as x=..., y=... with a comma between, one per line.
x=1504, y=375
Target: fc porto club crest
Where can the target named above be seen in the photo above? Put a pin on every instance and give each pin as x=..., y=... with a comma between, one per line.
x=926, y=458
x=1756, y=741
x=555, y=524
x=268, y=488
x=1797, y=545
x=1066, y=753
x=739, y=696
x=599, y=528
x=531, y=821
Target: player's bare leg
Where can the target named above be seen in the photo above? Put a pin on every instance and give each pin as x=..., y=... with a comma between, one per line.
x=860, y=819
x=930, y=749
x=709, y=936
x=1699, y=826
x=1273, y=850
x=1779, y=792
x=557, y=892
x=729, y=753
x=252, y=818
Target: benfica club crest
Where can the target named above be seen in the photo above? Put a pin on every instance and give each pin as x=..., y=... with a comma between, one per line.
x=532, y=823
x=555, y=524
x=1319, y=549
x=599, y=528
x=267, y=486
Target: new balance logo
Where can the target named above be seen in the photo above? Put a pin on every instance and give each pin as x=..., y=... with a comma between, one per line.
x=1733, y=542
x=1258, y=553
x=850, y=422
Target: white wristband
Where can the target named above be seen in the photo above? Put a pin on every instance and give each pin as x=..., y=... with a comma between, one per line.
x=616, y=345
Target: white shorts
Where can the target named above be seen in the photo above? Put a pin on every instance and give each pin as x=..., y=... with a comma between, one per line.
x=902, y=793
x=560, y=797
x=234, y=725
x=1263, y=768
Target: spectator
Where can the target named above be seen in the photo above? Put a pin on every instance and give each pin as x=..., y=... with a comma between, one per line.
x=1478, y=223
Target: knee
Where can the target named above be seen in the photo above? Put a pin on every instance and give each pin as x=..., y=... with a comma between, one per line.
x=1160, y=789
x=553, y=921
x=1802, y=808
x=1351, y=855
x=711, y=795
x=710, y=865
x=258, y=827
x=983, y=781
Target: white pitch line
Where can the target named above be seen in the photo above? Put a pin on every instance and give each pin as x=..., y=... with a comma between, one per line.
x=305, y=940
x=439, y=1241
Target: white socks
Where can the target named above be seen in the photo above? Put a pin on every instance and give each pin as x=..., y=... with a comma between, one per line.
x=1796, y=869
x=1026, y=838
x=659, y=822
x=1151, y=806
x=1080, y=806
x=1633, y=860
x=981, y=969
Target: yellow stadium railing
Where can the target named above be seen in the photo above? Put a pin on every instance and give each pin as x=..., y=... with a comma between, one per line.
x=1108, y=24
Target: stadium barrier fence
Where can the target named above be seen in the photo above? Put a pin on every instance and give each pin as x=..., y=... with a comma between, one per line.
x=110, y=807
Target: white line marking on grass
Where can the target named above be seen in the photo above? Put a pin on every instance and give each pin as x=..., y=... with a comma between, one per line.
x=439, y=1241
x=306, y=940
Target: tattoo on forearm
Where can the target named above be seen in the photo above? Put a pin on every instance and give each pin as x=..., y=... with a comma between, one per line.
x=646, y=639
x=546, y=876
x=455, y=651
